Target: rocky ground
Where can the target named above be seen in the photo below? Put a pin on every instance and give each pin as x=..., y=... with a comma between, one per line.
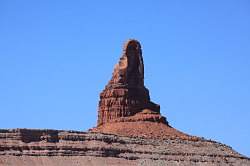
x=63, y=148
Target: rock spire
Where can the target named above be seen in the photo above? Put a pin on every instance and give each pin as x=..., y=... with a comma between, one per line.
x=125, y=107
x=125, y=95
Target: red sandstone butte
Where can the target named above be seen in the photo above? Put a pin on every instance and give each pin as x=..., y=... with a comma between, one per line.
x=125, y=107
x=130, y=131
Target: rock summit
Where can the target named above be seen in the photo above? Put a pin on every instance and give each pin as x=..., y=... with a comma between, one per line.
x=125, y=107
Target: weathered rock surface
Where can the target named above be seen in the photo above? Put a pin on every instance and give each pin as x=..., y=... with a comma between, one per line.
x=125, y=95
x=125, y=107
x=130, y=131
x=63, y=148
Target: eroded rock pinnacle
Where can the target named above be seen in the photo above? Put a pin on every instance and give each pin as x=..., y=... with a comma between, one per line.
x=125, y=95
x=125, y=107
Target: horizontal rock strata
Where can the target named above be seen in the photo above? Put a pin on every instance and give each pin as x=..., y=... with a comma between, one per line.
x=57, y=147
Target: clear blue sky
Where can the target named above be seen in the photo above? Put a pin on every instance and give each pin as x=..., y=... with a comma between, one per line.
x=57, y=56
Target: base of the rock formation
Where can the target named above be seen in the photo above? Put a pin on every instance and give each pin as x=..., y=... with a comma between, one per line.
x=26, y=147
x=143, y=129
x=145, y=124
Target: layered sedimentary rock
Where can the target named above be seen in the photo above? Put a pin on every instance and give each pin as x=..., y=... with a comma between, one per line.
x=125, y=95
x=26, y=147
x=130, y=131
x=125, y=107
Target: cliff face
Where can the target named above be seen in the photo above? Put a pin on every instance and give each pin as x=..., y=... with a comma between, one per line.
x=125, y=107
x=63, y=148
x=130, y=131
x=125, y=95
